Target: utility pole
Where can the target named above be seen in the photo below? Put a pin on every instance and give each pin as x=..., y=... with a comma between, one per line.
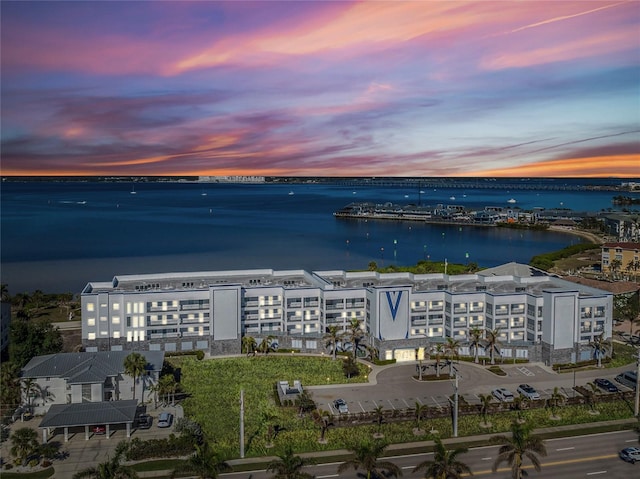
x=242, y=423
x=455, y=404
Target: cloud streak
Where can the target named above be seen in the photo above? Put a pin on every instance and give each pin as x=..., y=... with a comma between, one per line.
x=320, y=88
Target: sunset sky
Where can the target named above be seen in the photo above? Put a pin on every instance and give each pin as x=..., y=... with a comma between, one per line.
x=321, y=88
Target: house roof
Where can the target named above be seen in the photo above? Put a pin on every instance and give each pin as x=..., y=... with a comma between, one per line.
x=513, y=269
x=623, y=245
x=90, y=413
x=86, y=368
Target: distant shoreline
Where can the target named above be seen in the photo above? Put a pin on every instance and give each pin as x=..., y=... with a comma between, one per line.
x=592, y=237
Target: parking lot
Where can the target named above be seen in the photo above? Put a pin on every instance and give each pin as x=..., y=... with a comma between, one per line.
x=396, y=388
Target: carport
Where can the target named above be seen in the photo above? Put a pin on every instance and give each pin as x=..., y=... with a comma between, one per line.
x=88, y=414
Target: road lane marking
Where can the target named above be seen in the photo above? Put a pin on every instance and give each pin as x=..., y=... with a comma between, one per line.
x=487, y=458
x=547, y=464
x=597, y=472
x=328, y=475
x=565, y=449
x=630, y=440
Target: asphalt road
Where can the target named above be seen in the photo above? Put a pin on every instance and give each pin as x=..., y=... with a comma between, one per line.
x=586, y=457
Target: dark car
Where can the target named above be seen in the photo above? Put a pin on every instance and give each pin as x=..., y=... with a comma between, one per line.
x=144, y=421
x=606, y=385
x=630, y=454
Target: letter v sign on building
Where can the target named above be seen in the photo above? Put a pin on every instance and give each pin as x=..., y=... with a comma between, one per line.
x=393, y=313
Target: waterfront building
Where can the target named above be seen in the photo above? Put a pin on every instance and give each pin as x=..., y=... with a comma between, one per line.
x=538, y=316
x=624, y=256
x=623, y=226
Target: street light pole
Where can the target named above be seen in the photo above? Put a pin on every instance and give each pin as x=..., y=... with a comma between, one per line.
x=636, y=410
x=455, y=404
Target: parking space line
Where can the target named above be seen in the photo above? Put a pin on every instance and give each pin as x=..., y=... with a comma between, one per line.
x=405, y=403
x=361, y=407
x=391, y=404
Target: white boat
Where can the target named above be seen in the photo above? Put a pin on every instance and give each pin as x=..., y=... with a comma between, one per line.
x=511, y=200
x=291, y=193
x=453, y=198
x=133, y=189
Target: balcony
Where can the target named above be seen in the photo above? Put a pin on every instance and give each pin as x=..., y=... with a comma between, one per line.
x=294, y=304
x=459, y=310
x=357, y=304
x=311, y=304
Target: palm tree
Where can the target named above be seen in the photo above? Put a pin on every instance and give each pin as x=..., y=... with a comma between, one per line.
x=324, y=420
x=24, y=443
x=4, y=292
x=355, y=335
x=378, y=418
x=420, y=413
x=555, y=400
x=167, y=386
x=249, y=345
x=366, y=457
x=520, y=403
x=289, y=465
x=266, y=346
x=600, y=347
x=593, y=392
x=513, y=450
x=135, y=364
x=475, y=341
x=438, y=350
x=451, y=351
x=493, y=343
x=485, y=406
x=634, y=265
x=332, y=339
x=614, y=266
x=445, y=464
x=9, y=384
x=205, y=463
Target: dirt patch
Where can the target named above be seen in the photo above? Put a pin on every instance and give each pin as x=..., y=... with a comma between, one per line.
x=71, y=340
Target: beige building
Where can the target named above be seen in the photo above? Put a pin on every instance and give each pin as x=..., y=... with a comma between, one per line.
x=624, y=257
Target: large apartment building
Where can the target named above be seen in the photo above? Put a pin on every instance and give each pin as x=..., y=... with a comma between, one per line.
x=539, y=316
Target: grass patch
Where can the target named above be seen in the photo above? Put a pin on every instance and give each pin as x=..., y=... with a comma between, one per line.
x=623, y=354
x=497, y=370
x=159, y=465
x=42, y=474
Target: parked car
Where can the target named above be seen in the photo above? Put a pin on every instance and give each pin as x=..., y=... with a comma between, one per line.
x=503, y=394
x=341, y=406
x=606, y=385
x=165, y=419
x=528, y=391
x=630, y=454
x=144, y=421
x=99, y=429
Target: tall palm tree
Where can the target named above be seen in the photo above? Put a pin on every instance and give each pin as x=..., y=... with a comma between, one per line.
x=493, y=343
x=111, y=468
x=332, y=339
x=513, y=450
x=366, y=457
x=438, y=351
x=634, y=265
x=249, y=345
x=555, y=400
x=24, y=443
x=135, y=364
x=445, y=464
x=593, y=392
x=451, y=351
x=289, y=465
x=205, y=463
x=475, y=341
x=600, y=347
x=355, y=335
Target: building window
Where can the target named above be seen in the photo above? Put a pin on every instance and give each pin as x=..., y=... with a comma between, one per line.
x=91, y=307
x=116, y=335
x=296, y=343
x=116, y=306
x=91, y=336
x=91, y=321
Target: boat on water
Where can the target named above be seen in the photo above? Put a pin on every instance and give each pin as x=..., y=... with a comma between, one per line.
x=291, y=193
x=511, y=200
x=453, y=198
x=133, y=190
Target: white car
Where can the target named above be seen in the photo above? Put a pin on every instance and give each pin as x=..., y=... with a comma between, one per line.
x=165, y=419
x=528, y=391
x=630, y=454
x=502, y=394
x=341, y=406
